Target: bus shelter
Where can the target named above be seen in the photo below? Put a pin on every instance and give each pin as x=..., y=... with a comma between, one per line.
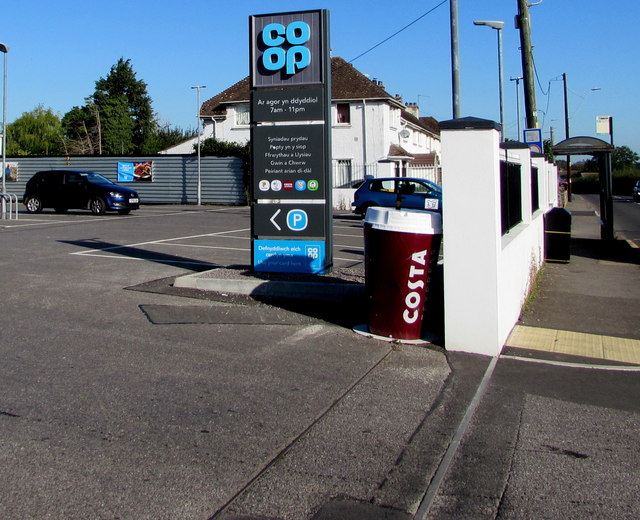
x=601, y=151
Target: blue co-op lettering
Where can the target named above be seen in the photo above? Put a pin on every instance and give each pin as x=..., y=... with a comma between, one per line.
x=294, y=56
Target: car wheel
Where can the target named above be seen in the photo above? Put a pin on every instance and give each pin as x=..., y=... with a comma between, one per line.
x=124, y=211
x=60, y=210
x=33, y=204
x=365, y=207
x=97, y=206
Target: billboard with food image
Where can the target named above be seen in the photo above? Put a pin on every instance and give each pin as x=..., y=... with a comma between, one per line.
x=135, y=171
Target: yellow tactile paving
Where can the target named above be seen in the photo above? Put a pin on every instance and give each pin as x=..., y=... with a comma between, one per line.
x=579, y=344
x=576, y=344
x=621, y=349
x=533, y=338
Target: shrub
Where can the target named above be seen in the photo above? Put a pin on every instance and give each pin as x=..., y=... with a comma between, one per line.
x=623, y=181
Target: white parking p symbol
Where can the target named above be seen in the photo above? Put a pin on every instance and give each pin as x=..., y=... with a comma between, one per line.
x=297, y=220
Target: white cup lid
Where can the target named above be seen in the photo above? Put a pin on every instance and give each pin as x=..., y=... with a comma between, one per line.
x=405, y=220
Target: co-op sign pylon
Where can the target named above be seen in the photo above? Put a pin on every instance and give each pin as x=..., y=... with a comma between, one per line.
x=291, y=148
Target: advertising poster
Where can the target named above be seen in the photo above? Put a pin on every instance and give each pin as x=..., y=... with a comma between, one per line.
x=135, y=171
x=11, y=172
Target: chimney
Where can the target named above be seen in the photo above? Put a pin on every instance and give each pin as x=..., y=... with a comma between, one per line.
x=413, y=109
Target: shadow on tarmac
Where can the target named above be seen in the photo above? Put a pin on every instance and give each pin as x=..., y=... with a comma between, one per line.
x=610, y=251
x=95, y=244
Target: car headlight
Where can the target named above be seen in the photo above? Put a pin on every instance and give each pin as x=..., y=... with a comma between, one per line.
x=116, y=195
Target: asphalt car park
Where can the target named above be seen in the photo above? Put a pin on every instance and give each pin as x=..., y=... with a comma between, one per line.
x=116, y=400
x=191, y=237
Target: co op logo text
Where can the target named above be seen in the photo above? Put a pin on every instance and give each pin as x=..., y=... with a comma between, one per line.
x=285, y=47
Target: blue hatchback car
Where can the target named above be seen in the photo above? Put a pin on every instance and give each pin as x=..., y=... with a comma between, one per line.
x=72, y=189
x=407, y=192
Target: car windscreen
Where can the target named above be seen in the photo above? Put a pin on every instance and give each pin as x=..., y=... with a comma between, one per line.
x=96, y=178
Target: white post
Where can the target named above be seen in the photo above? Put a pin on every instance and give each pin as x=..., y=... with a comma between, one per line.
x=472, y=234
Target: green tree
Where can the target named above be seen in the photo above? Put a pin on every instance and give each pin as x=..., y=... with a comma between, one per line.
x=38, y=132
x=216, y=148
x=548, y=150
x=166, y=136
x=117, y=127
x=623, y=157
x=128, y=120
x=81, y=127
x=117, y=118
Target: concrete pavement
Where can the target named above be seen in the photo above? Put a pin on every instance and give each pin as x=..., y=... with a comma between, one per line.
x=583, y=315
x=168, y=402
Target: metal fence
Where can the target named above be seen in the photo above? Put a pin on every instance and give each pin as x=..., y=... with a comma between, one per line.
x=174, y=178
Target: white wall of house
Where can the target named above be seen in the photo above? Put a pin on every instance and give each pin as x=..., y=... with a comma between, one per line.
x=233, y=128
x=360, y=143
x=374, y=125
x=362, y=140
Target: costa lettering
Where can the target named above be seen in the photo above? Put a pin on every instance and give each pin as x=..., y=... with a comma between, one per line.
x=285, y=47
x=413, y=299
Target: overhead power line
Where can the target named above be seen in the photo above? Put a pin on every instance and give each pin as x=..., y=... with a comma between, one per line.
x=399, y=31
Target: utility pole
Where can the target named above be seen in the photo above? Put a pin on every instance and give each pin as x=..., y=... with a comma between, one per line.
x=527, y=64
x=566, y=106
x=566, y=134
x=455, y=61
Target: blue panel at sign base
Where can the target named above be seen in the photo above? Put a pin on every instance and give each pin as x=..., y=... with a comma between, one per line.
x=289, y=256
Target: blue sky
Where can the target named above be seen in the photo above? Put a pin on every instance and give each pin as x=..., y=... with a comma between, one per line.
x=59, y=49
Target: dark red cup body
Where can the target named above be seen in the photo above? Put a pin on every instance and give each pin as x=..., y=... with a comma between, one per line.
x=397, y=268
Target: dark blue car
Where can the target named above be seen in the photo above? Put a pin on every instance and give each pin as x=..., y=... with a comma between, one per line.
x=71, y=189
x=407, y=192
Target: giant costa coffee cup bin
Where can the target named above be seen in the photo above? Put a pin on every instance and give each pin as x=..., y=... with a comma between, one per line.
x=401, y=247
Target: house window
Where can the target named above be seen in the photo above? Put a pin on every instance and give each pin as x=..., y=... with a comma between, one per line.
x=242, y=115
x=343, y=114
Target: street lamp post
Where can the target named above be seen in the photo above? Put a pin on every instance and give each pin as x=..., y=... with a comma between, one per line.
x=4, y=49
x=517, y=80
x=497, y=25
x=198, y=87
x=455, y=58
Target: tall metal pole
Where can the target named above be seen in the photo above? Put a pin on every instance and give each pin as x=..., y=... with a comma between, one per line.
x=455, y=59
x=566, y=135
x=500, y=73
x=611, y=129
x=517, y=80
x=497, y=25
x=566, y=106
x=527, y=64
x=198, y=87
x=4, y=49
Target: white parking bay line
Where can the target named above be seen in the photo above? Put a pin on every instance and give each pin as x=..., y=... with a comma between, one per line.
x=210, y=247
x=163, y=241
x=151, y=259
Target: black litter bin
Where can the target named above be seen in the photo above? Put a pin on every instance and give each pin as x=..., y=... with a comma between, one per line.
x=557, y=235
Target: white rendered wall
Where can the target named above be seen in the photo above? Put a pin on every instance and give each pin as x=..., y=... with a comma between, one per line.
x=471, y=223
x=487, y=276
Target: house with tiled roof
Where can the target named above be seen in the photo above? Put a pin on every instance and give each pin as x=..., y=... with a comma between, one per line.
x=373, y=133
